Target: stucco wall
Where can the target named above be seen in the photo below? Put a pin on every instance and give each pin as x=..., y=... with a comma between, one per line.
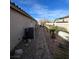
x=66, y=19
x=64, y=25
x=17, y=24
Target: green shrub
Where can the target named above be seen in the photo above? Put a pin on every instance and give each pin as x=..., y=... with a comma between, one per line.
x=57, y=28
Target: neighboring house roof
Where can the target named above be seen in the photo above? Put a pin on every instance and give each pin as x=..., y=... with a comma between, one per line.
x=18, y=9
x=62, y=18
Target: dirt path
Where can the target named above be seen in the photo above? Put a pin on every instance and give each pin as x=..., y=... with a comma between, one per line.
x=44, y=47
x=38, y=47
x=42, y=50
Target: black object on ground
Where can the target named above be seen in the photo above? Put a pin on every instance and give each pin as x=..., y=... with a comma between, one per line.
x=52, y=33
x=28, y=34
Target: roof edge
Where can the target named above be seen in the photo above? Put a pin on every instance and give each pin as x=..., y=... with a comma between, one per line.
x=14, y=6
x=62, y=18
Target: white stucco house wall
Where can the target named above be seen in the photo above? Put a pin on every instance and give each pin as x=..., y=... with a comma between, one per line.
x=19, y=20
x=62, y=22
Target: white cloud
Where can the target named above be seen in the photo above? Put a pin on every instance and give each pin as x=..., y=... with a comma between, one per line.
x=41, y=11
x=44, y=12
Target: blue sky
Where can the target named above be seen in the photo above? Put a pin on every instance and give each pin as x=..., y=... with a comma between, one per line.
x=44, y=9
